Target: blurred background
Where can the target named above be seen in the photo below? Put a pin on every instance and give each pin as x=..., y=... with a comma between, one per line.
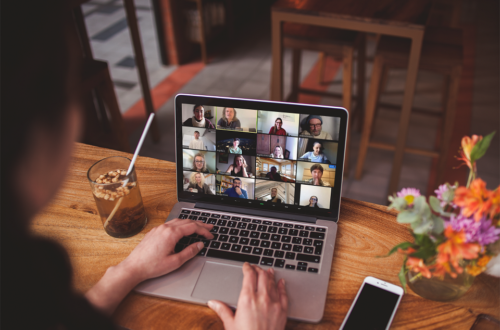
x=224, y=48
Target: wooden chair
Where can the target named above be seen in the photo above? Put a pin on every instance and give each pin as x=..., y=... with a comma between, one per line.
x=442, y=52
x=340, y=44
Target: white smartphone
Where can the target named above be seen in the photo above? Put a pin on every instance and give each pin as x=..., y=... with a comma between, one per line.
x=374, y=306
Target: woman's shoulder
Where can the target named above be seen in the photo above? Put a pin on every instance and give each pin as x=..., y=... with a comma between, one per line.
x=188, y=122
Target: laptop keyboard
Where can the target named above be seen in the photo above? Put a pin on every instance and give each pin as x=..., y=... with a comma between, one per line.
x=271, y=243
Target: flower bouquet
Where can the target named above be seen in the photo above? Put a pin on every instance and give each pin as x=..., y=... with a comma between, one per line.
x=456, y=233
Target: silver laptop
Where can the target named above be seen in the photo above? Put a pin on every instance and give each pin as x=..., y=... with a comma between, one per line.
x=268, y=175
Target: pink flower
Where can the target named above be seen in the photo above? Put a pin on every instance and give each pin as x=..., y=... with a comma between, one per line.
x=409, y=195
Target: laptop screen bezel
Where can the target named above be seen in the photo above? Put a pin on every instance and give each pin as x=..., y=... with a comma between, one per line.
x=327, y=214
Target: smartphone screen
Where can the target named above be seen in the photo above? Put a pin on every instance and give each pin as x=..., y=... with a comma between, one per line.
x=373, y=309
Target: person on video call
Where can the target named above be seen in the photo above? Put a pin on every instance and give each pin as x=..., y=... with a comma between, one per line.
x=313, y=202
x=238, y=167
x=316, y=156
x=236, y=190
x=278, y=152
x=274, y=175
x=42, y=130
x=313, y=128
x=197, y=143
x=198, y=119
x=199, y=163
x=274, y=196
x=317, y=173
x=277, y=128
x=235, y=149
x=229, y=119
x=197, y=181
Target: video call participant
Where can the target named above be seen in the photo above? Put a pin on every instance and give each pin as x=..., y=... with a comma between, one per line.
x=316, y=155
x=197, y=181
x=276, y=129
x=274, y=196
x=198, y=120
x=199, y=163
x=229, y=119
x=313, y=202
x=235, y=149
x=197, y=143
x=274, y=175
x=238, y=167
x=236, y=190
x=317, y=173
x=278, y=152
x=313, y=127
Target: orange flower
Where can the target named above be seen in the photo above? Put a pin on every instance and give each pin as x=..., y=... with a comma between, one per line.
x=454, y=249
x=474, y=200
x=440, y=270
x=417, y=265
x=495, y=203
x=467, y=146
x=479, y=267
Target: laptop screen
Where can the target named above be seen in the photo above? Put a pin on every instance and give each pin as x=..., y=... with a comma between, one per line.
x=254, y=154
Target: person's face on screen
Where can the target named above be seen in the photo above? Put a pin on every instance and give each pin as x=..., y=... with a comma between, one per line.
x=313, y=200
x=198, y=113
x=316, y=149
x=315, y=126
x=278, y=124
x=274, y=192
x=239, y=161
x=236, y=143
x=199, y=162
x=277, y=152
x=236, y=184
x=230, y=114
x=273, y=169
x=196, y=135
x=197, y=177
x=317, y=174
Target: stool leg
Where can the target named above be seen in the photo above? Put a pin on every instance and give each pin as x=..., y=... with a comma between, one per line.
x=361, y=72
x=449, y=120
x=369, y=113
x=321, y=73
x=296, y=61
x=348, y=55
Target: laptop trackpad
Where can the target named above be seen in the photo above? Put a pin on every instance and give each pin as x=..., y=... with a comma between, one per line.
x=219, y=282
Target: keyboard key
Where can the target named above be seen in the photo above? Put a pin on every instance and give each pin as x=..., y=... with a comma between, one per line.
x=215, y=216
x=309, y=249
x=267, y=261
x=216, y=236
x=236, y=248
x=318, y=243
x=297, y=240
x=234, y=232
x=184, y=240
x=254, y=234
x=254, y=242
x=242, y=225
x=205, y=242
x=223, y=230
x=231, y=224
x=183, y=216
x=252, y=227
x=244, y=233
x=309, y=228
x=256, y=221
x=202, y=252
x=312, y=270
x=203, y=219
x=307, y=241
x=247, y=249
x=235, y=218
x=235, y=239
x=317, y=250
x=288, y=225
x=267, y=222
x=286, y=239
x=278, y=224
x=225, y=246
x=275, y=238
x=244, y=241
x=317, y=235
x=257, y=250
x=280, y=263
x=186, y=211
x=233, y=256
x=292, y=267
x=246, y=220
x=302, y=264
x=268, y=252
x=223, y=238
x=276, y=245
x=221, y=223
x=225, y=217
x=301, y=268
x=272, y=230
x=286, y=247
x=290, y=255
x=212, y=221
x=293, y=232
x=323, y=230
x=264, y=236
x=308, y=258
x=266, y=244
x=279, y=254
x=215, y=229
x=262, y=228
x=192, y=217
x=283, y=231
x=299, y=227
x=195, y=213
x=205, y=214
x=304, y=233
x=297, y=248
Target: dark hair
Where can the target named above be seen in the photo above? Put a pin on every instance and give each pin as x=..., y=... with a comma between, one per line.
x=317, y=167
x=198, y=105
x=236, y=179
x=317, y=200
x=236, y=139
x=197, y=132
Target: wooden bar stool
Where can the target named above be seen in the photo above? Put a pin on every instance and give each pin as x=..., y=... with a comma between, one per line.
x=340, y=44
x=442, y=52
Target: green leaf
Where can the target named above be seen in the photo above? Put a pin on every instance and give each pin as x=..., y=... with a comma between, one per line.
x=403, y=246
x=425, y=252
x=408, y=217
x=481, y=147
x=422, y=228
x=398, y=203
x=422, y=207
x=438, y=227
x=435, y=204
x=402, y=275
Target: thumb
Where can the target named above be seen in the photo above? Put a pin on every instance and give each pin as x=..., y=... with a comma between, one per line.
x=189, y=252
x=223, y=311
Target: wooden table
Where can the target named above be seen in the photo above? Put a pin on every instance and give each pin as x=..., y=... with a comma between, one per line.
x=388, y=17
x=365, y=231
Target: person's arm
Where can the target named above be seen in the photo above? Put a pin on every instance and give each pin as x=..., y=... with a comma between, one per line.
x=262, y=304
x=237, y=124
x=304, y=156
x=208, y=124
x=153, y=257
x=230, y=168
x=207, y=189
x=243, y=194
x=244, y=172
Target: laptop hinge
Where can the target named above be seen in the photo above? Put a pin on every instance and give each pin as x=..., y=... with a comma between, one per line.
x=260, y=213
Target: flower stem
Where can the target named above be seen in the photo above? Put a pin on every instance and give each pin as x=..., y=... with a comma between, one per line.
x=416, y=277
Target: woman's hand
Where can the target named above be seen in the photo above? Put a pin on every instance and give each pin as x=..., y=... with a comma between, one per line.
x=262, y=304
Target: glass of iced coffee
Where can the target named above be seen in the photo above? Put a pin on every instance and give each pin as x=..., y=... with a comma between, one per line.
x=117, y=196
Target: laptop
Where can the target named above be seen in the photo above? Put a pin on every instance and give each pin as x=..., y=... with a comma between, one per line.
x=268, y=176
